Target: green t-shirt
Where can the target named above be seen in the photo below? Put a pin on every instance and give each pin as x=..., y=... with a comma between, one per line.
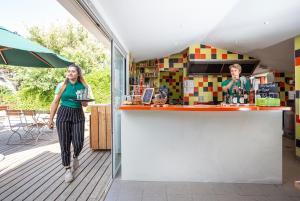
x=247, y=85
x=69, y=94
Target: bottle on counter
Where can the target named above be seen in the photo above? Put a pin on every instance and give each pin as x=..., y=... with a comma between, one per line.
x=241, y=95
x=228, y=98
x=235, y=97
x=246, y=100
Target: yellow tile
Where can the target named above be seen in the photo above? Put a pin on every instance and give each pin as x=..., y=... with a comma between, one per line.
x=297, y=130
x=232, y=56
x=297, y=78
x=178, y=65
x=206, y=51
x=297, y=108
x=221, y=51
x=297, y=43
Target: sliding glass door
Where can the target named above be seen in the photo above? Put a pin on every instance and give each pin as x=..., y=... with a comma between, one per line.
x=118, y=90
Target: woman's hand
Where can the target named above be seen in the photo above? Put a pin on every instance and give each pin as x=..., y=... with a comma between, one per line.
x=84, y=104
x=50, y=124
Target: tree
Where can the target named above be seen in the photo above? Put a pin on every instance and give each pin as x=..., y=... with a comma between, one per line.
x=36, y=86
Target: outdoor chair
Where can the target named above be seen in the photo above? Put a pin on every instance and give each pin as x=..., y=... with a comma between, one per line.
x=16, y=124
x=42, y=118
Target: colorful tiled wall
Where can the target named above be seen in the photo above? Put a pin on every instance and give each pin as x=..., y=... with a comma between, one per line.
x=207, y=88
x=199, y=51
x=283, y=83
x=297, y=88
x=173, y=81
x=173, y=62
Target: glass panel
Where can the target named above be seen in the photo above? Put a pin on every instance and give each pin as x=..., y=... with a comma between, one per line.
x=118, y=82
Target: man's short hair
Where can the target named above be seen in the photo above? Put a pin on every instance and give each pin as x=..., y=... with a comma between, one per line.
x=237, y=66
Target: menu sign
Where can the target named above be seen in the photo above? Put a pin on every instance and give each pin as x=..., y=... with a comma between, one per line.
x=268, y=90
x=147, y=95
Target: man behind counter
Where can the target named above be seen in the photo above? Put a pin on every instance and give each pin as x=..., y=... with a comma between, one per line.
x=235, y=82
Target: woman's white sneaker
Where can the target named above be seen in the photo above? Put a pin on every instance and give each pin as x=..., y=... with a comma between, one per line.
x=68, y=176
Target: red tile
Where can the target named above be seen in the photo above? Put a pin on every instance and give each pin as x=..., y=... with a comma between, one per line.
x=282, y=103
x=196, y=89
x=214, y=51
x=297, y=118
x=202, y=56
x=224, y=56
x=297, y=61
x=220, y=89
x=205, y=79
x=197, y=56
x=200, y=84
x=191, y=94
x=210, y=89
x=215, y=94
x=197, y=50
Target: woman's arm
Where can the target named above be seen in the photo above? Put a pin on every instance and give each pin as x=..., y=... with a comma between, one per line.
x=53, y=110
x=228, y=86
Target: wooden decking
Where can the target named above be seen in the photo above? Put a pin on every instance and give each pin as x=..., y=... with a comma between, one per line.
x=34, y=172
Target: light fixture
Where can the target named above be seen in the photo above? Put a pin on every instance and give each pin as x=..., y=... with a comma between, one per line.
x=266, y=22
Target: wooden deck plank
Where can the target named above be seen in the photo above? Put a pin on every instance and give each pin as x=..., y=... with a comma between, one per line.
x=17, y=192
x=24, y=168
x=22, y=180
x=58, y=186
x=102, y=187
x=16, y=157
x=92, y=182
x=55, y=180
x=27, y=172
x=81, y=188
x=34, y=171
x=34, y=185
x=78, y=175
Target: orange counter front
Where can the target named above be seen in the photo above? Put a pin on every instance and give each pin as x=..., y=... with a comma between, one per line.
x=209, y=108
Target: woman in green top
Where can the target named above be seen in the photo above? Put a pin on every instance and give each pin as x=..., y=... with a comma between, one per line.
x=235, y=82
x=70, y=118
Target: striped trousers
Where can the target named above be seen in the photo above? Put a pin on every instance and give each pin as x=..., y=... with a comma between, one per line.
x=70, y=129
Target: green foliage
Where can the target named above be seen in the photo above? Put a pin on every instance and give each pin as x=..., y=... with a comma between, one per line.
x=36, y=85
x=99, y=82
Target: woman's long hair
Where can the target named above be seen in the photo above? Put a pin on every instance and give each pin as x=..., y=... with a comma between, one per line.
x=80, y=79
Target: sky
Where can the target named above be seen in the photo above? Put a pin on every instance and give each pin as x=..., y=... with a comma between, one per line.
x=17, y=15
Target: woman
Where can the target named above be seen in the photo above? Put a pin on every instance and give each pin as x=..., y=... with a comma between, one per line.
x=70, y=118
x=235, y=82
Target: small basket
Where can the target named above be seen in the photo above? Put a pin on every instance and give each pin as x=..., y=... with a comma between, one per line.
x=136, y=100
x=159, y=101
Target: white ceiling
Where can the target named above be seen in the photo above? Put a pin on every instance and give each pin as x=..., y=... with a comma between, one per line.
x=157, y=28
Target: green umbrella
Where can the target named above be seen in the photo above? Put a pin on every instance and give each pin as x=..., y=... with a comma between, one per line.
x=18, y=51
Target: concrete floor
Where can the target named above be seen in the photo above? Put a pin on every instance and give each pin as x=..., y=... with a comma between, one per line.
x=194, y=191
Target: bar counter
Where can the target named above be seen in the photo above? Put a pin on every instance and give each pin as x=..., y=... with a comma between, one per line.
x=209, y=108
x=203, y=143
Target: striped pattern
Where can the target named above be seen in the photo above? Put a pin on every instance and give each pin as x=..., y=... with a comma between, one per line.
x=297, y=88
x=70, y=129
x=34, y=172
